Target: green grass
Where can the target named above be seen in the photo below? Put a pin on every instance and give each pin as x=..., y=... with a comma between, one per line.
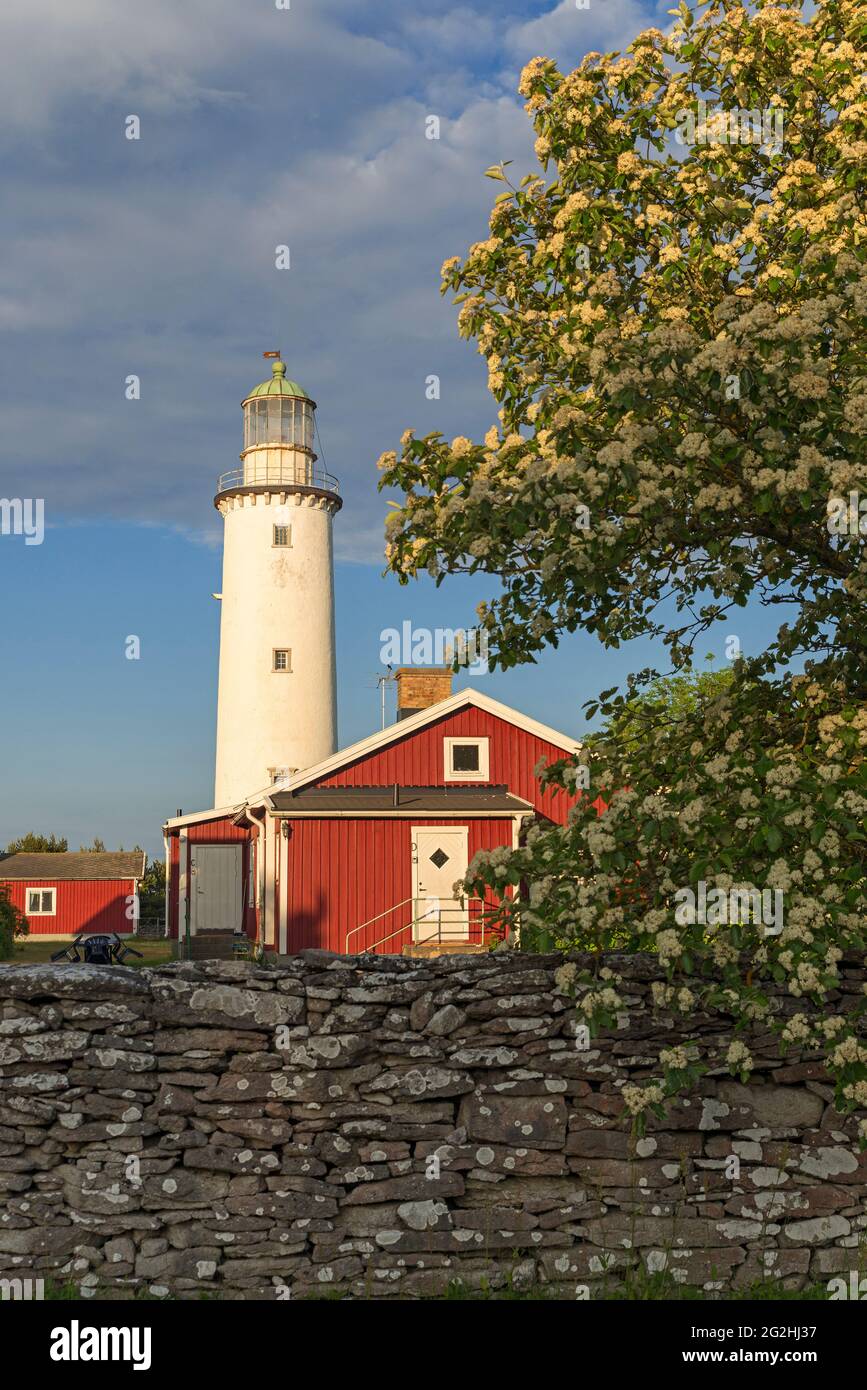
x=660, y=1287
x=32, y=951
x=641, y=1287
x=57, y=1293
x=636, y=1287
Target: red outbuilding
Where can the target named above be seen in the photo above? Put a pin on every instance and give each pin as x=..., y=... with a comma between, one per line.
x=362, y=851
x=64, y=894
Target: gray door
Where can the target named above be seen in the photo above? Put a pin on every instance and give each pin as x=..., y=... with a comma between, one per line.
x=216, y=888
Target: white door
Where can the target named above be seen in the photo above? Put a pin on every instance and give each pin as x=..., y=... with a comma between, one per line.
x=215, y=871
x=439, y=859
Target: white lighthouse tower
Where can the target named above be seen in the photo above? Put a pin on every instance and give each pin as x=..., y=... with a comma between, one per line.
x=277, y=700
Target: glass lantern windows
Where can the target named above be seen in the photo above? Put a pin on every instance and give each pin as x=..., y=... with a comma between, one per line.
x=278, y=420
x=256, y=423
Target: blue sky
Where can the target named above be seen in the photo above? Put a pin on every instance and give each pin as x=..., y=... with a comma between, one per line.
x=259, y=127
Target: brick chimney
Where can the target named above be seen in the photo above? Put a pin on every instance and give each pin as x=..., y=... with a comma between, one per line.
x=418, y=687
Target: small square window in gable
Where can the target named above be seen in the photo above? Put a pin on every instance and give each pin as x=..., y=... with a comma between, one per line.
x=466, y=760
x=465, y=757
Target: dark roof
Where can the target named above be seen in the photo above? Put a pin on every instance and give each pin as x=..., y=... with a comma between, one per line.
x=418, y=799
x=80, y=865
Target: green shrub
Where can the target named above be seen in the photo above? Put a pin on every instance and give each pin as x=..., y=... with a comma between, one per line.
x=12, y=924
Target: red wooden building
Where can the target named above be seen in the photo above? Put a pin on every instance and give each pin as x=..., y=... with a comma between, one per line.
x=64, y=894
x=362, y=851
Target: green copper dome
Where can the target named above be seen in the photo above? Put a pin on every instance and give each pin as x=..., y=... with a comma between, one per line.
x=278, y=385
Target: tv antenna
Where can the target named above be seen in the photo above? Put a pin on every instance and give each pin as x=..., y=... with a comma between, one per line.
x=382, y=679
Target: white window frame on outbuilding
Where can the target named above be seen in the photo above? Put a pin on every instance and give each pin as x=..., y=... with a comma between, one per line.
x=41, y=911
x=481, y=774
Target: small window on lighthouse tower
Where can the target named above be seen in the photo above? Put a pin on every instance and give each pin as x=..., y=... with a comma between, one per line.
x=282, y=659
x=282, y=535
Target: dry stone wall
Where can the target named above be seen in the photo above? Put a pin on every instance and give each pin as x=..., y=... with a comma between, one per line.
x=385, y=1127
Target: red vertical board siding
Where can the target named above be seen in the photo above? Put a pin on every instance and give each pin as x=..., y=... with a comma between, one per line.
x=278, y=857
x=89, y=905
x=173, y=876
x=216, y=832
x=343, y=872
x=417, y=760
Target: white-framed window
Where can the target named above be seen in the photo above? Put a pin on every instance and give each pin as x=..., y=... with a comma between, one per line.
x=466, y=759
x=281, y=659
x=282, y=535
x=279, y=774
x=41, y=902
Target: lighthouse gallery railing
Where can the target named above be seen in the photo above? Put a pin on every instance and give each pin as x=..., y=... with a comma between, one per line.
x=276, y=475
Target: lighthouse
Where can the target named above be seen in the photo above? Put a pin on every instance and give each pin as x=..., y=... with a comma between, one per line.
x=277, y=697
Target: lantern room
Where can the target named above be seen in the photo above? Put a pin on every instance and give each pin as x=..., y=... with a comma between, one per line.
x=279, y=428
x=279, y=412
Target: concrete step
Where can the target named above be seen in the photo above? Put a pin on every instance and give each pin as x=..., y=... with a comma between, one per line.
x=212, y=945
x=428, y=949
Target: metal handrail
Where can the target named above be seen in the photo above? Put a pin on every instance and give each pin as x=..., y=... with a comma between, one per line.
x=422, y=940
x=370, y=921
x=408, y=926
x=278, y=476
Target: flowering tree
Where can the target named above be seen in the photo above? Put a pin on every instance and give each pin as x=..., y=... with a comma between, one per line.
x=674, y=327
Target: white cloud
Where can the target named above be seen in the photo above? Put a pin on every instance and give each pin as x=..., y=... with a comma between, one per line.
x=163, y=55
x=566, y=33
x=158, y=258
